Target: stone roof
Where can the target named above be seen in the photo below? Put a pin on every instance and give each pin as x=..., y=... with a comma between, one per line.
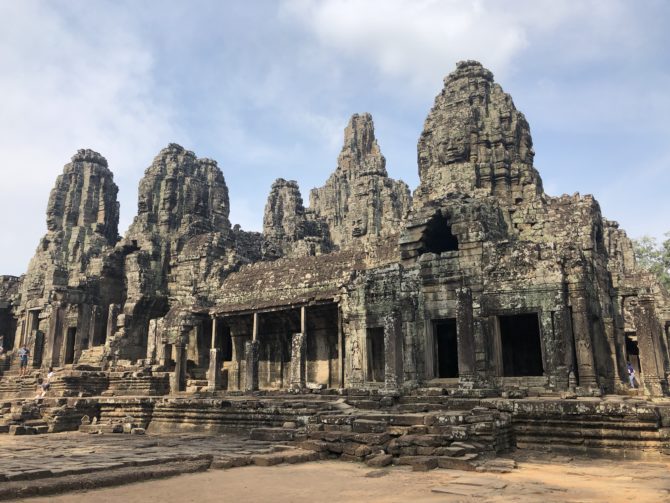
x=297, y=281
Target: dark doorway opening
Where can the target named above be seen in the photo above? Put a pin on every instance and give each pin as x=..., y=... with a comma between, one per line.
x=437, y=236
x=39, y=349
x=446, y=348
x=69, y=345
x=226, y=342
x=375, y=349
x=521, y=346
x=633, y=352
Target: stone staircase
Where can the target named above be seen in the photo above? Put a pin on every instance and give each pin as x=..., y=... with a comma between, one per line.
x=22, y=418
x=14, y=386
x=134, y=383
x=459, y=439
x=92, y=356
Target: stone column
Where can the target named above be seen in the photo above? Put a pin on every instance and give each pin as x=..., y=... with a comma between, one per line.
x=235, y=376
x=651, y=359
x=251, y=371
x=340, y=347
x=177, y=377
x=581, y=328
x=112, y=317
x=52, y=343
x=214, y=371
x=496, y=347
x=152, y=341
x=298, y=361
x=164, y=352
x=393, y=349
x=465, y=335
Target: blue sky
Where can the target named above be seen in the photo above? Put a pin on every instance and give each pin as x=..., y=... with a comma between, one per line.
x=267, y=87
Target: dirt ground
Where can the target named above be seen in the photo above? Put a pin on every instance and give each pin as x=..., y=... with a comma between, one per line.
x=535, y=480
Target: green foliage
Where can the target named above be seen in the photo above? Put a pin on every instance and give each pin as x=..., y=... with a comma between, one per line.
x=654, y=257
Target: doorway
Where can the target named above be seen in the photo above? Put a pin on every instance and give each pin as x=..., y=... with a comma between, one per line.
x=70, y=337
x=633, y=352
x=521, y=345
x=446, y=348
x=375, y=351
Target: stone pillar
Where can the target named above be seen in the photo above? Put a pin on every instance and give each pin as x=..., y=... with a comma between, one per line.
x=340, y=347
x=251, y=371
x=298, y=361
x=581, y=328
x=112, y=317
x=496, y=347
x=214, y=371
x=610, y=335
x=54, y=336
x=465, y=335
x=235, y=376
x=163, y=352
x=152, y=341
x=651, y=359
x=177, y=377
x=393, y=349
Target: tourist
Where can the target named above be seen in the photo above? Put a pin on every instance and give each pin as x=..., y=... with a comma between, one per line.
x=631, y=375
x=24, y=353
x=46, y=383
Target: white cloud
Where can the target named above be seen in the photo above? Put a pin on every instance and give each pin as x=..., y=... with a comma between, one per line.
x=70, y=79
x=417, y=40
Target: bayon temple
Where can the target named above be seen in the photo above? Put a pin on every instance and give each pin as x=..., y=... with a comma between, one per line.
x=476, y=292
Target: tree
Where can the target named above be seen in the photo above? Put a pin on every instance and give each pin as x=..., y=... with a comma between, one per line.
x=654, y=257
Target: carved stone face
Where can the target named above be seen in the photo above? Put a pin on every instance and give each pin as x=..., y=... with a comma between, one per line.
x=454, y=147
x=360, y=226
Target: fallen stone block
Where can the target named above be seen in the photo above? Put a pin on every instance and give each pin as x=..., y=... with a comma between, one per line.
x=267, y=459
x=363, y=451
x=380, y=461
x=300, y=456
x=368, y=426
x=450, y=451
x=314, y=445
x=423, y=464
x=465, y=462
x=231, y=461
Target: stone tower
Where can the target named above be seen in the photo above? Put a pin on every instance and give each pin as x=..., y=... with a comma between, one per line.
x=476, y=142
x=359, y=201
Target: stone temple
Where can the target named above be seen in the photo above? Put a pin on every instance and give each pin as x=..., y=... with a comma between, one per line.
x=475, y=308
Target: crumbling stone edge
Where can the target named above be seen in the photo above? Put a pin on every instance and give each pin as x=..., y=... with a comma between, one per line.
x=99, y=479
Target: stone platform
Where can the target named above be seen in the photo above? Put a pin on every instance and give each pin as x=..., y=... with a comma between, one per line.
x=32, y=465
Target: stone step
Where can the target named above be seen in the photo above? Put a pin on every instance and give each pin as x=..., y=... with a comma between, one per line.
x=273, y=434
x=465, y=462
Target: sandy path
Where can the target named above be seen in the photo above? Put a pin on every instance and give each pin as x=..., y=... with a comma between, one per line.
x=570, y=481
